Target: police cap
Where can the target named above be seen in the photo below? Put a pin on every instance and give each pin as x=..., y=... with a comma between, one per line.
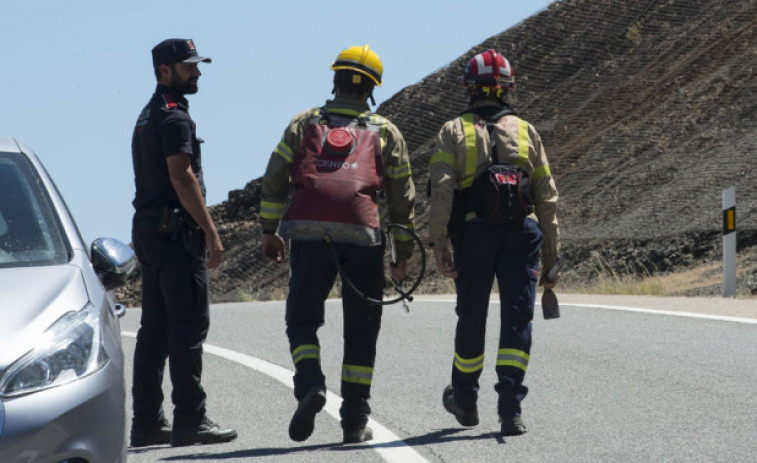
x=176, y=51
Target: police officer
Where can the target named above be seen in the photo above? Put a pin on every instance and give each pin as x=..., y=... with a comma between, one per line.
x=482, y=249
x=171, y=232
x=339, y=157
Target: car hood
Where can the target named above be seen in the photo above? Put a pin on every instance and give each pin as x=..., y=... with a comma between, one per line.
x=33, y=298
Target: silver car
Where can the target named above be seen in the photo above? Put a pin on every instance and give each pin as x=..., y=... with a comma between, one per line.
x=62, y=396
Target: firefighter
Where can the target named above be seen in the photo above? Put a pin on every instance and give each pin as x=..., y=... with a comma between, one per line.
x=340, y=158
x=482, y=249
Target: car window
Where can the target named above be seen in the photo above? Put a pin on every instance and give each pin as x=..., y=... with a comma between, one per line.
x=29, y=227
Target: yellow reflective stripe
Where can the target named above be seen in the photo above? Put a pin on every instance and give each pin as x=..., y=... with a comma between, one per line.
x=542, y=171
x=306, y=351
x=513, y=358
x=271, y=210
x=523, y=146
x=401, y=235
x=444, y=157
x=469, y=365
x=345, y=111
x=285, y=152
x=378, y=120
x=396, y=172
x=357, y=374
x=471, y=153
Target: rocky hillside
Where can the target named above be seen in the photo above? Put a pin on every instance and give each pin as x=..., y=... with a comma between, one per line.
x=647, y=110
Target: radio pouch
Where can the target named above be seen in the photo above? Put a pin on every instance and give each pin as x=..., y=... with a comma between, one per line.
x=170, y=222
x=179, y=226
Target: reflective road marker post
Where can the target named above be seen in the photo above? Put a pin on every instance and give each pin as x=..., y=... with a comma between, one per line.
x=729, y=242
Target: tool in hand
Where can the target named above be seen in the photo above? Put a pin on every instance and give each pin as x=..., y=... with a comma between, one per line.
x=549, y=305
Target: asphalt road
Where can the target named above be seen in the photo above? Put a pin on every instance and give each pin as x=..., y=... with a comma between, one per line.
x=612, y=380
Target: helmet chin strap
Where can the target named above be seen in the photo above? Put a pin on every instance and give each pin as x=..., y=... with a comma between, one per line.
x=477, y=93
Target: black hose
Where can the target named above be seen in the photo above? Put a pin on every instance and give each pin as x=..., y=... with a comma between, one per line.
x=403, y=295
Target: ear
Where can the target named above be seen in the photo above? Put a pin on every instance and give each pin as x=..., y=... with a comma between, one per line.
x=165, y=71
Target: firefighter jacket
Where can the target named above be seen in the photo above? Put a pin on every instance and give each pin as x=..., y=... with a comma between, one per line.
x=462, y=151
x=290, y=158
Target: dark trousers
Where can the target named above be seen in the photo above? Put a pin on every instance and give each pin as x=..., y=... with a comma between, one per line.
x=174, y=325
x=313, y=272
x=511, y=253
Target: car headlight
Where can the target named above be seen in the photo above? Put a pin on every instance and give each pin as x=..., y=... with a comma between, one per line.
x=69, y=350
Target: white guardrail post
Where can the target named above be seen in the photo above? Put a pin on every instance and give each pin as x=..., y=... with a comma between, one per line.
x=729, y=242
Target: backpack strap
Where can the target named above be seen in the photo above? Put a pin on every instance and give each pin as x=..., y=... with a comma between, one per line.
x=490, y=124
x=363, y=121
x=320, y=114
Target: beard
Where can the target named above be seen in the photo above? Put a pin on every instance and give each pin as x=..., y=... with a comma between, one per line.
x=186, y=87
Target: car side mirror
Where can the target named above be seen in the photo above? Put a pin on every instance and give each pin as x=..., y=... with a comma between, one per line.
x=113, y=261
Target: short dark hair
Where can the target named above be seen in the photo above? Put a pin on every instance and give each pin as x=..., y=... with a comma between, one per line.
x=353, y=82
x=157, y=70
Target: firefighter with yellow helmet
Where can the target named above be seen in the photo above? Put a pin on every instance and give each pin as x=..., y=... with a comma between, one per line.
x=494, y=198
x=340, y=158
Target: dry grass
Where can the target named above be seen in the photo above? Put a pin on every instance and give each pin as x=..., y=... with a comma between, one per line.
x=702, y=278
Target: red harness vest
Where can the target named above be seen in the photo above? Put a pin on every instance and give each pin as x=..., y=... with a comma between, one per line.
x=337, y=173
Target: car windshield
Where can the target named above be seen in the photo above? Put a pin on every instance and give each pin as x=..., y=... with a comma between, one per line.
x=29, y=227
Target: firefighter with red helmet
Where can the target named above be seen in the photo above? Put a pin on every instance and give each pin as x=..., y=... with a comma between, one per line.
x=341, y=159
x=488, y=132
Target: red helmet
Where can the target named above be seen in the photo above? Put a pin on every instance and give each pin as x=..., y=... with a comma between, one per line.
x=489, y=69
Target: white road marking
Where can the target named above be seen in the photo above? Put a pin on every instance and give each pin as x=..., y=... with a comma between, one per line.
x=391, y=448
x=723, y=318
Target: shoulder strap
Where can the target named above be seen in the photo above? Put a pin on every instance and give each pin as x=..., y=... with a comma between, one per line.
x=317, y=116
x=490, y=124
x=362, y=120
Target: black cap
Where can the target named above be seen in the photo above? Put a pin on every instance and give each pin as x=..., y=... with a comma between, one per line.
x=176, y=51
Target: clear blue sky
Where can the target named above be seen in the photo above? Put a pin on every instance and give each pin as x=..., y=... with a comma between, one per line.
x=76, y=74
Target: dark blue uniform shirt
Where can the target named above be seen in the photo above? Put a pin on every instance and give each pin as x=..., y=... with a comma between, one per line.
x=163, y=128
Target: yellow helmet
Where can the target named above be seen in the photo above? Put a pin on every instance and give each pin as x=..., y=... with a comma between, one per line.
x=360, y=59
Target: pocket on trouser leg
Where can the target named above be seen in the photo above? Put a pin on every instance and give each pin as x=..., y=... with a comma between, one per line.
x=522, y=307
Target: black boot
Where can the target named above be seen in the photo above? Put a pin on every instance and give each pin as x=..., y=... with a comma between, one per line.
x=205, y=432
x=355, y=436
x=512, y=425
x=466, y=417
x=303, y=420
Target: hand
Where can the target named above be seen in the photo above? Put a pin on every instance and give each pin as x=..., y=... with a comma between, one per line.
x=444, y=262
x=215, y=249
x=273, y=248
x=549, y=284
x=398, y=271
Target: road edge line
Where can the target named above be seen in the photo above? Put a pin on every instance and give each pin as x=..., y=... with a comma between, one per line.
x=385, y=442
